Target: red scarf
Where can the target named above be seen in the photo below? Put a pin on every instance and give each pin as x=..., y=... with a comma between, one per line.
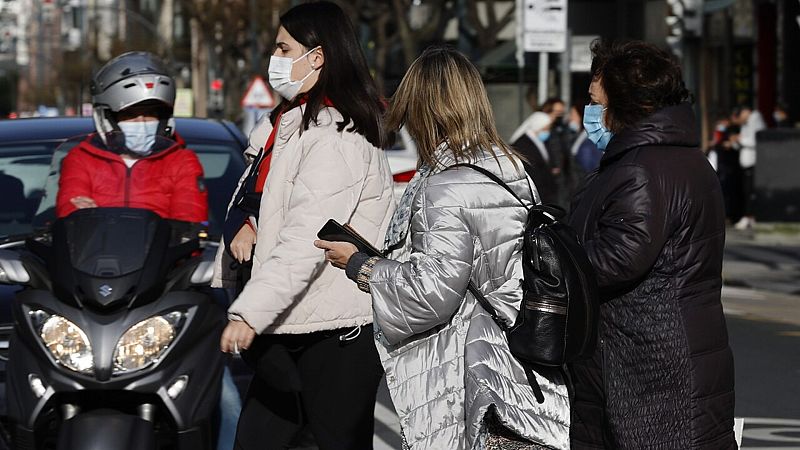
x=263, y=166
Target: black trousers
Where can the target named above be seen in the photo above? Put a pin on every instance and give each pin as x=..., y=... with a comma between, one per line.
x=319, y=379
x=748, y=190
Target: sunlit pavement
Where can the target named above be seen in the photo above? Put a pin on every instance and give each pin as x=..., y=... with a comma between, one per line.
x=762, y=277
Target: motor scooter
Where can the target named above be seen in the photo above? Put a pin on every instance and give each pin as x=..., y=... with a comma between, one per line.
x=115, y=345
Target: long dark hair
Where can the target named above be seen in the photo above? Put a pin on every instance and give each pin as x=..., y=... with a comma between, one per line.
x=638, y=78
x=344, y=79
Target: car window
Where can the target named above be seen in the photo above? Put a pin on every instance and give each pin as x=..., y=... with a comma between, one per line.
x=214, y=159
x=23, y=171
x=222, y=167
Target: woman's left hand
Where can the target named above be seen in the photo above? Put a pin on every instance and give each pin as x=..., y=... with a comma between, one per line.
x=337, y=253
x=238, y=335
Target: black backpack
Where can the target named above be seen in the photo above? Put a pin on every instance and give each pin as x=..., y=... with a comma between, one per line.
x=557, y=321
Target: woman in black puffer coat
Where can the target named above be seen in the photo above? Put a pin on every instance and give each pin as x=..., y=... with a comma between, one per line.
x=652, y=221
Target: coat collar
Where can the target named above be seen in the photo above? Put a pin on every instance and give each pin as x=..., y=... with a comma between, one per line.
x=292, y=120
x=670, y=126
x=94, y=145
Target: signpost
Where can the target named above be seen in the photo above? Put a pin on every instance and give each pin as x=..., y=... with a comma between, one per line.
x=542, y=28
x=545, y=26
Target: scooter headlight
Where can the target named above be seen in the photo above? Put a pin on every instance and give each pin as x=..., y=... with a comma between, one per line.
x=68, y=344
x=144, y=343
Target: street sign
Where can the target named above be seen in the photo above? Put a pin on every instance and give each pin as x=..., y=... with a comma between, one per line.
x=258, y=95
x=184, y=103
x=544, y=26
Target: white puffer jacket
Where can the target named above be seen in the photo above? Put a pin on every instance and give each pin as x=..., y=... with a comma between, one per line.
x=315, y=175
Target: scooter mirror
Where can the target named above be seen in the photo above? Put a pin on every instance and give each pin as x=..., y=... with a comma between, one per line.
x=11, y=269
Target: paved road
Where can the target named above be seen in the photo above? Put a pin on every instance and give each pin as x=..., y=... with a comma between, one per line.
x=767, y=390
x=771, y=265
x=764, y=329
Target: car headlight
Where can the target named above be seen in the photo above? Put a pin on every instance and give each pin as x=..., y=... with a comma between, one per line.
x=68, y=344
x=144, y=343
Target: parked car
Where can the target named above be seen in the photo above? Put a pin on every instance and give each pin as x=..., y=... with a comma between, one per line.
x=26, y=154
x=402, y=156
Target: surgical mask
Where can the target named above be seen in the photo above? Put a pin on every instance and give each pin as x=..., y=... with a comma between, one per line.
x=593, y=124
x=543, y=136
x=574, y=126
x=280, y=75
x=139, y=136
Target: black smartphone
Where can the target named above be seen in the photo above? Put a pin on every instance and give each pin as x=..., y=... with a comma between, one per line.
x=335, y=232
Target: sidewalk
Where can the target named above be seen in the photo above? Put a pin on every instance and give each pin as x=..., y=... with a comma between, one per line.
x=763, y=260
x=766, y=234
x=761, y=305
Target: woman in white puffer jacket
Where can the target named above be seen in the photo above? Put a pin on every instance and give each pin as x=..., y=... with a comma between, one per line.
x=303, y=327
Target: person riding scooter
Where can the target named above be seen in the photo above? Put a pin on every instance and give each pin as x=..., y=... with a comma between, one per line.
x=133, y=98
x=138, y=160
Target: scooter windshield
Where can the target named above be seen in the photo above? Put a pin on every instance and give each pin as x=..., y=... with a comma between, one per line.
x=110, y=242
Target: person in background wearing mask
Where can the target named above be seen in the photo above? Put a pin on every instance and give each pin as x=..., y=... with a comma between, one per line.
x=584, y=152
x=558, y=146
x=303, y=327
x=727, y=167
x=536, y=159
x=781, y=117
x=133, y=97
x=750, y=122
x=652, y=224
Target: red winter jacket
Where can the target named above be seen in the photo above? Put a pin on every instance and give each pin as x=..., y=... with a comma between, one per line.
x=169, y=182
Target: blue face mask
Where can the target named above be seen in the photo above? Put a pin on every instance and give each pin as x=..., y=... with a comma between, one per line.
x=593, y=124
x=139, y=136
x=543, y=136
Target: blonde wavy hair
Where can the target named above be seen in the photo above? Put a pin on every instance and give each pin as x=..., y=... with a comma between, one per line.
x=441, y=99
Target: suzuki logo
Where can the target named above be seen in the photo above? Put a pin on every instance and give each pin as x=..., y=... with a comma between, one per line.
x=105, y=290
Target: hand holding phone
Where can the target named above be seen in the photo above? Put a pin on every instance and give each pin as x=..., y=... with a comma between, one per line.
x=333, y=231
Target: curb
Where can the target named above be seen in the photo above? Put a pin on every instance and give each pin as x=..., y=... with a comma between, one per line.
x=761, y=305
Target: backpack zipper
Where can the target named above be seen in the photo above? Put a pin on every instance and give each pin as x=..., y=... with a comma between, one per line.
x=545, y=306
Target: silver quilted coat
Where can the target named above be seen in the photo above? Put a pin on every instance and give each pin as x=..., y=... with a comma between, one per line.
x=447, y=363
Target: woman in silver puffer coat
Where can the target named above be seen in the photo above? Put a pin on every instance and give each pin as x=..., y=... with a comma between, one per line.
x=452, y=379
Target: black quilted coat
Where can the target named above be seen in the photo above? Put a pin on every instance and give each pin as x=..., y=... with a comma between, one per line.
x=652, y=221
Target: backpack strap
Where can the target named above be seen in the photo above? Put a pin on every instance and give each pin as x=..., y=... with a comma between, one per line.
x=529, y=372
x=487, y=306
x=472, y=288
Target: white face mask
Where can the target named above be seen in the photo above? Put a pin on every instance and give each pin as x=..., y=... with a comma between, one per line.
x=139, y=136
x=280, y=75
